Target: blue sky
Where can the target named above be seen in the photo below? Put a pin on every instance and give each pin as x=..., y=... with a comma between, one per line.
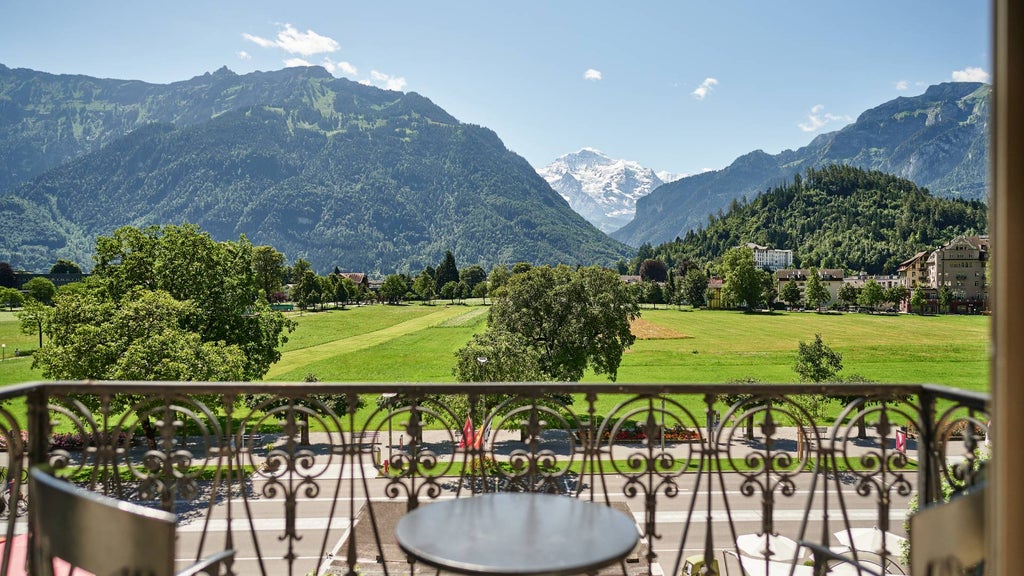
x=677, y=85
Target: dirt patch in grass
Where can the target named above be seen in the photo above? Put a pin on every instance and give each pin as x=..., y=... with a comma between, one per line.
x=645, y=330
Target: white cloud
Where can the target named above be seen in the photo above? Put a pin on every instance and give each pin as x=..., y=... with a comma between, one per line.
x=704, y=89
x=292, y=41
x=259, y=41
x=818, y=118
x=902, y=85
x=243, y=55
x=387, y=81
x=345, y=68
x=592, y=74
x=970, y=74
x=293, y=62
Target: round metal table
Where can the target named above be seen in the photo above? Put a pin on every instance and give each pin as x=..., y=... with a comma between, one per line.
x=517, y=534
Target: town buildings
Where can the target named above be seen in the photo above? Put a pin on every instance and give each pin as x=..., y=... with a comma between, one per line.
x=959, y=267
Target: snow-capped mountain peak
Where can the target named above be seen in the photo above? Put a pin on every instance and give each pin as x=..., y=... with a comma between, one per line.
x=601, y=189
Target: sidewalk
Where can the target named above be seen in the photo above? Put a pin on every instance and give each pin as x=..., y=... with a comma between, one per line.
x=505, y=442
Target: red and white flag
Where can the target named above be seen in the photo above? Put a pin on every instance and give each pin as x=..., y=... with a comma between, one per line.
x=467, y=434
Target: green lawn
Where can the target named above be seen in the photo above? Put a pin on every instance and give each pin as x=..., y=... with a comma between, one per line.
x=719, y=346
x=415, y=343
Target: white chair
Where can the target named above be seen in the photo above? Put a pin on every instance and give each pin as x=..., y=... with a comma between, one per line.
x=103, y=535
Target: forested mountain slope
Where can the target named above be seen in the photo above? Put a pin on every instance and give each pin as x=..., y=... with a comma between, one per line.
x=836, y=217
x=322, y=168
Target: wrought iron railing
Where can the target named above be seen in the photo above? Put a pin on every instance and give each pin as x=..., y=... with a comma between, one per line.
x=309, y=477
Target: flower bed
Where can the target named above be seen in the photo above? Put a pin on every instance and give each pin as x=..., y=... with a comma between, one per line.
x=68, y=441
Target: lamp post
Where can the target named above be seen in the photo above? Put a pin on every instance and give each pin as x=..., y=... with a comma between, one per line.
x=388, y=399
x=482, y=360
x=3, y=358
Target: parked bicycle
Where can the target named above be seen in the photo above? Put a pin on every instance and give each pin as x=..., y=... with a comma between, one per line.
x=21, y=505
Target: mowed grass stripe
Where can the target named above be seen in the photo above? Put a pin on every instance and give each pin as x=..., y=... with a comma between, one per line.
x=296, y=359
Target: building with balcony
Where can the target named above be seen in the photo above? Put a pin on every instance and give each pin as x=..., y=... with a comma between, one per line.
x=769, y=258
x=960, y=265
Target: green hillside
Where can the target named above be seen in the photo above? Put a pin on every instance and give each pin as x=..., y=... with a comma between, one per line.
x=321, y=168
x=939, y=140
x=836, y=217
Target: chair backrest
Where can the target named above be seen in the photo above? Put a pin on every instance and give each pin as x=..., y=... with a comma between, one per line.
x=97, y=533
x=948, y=536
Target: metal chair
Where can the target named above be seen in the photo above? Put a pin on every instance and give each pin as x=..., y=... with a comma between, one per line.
x=949, y=537
x=103, y=535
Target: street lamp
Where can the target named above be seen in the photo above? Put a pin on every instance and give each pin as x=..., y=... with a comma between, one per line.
x=483, y=375
x=483, y=371
x=388, y=398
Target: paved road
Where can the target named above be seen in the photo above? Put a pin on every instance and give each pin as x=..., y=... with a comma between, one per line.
x=323, y=521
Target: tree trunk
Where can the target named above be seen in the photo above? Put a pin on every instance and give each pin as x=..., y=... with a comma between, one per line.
x=149, y=431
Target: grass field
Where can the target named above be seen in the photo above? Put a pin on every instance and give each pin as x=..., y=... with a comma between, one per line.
x=417, y=343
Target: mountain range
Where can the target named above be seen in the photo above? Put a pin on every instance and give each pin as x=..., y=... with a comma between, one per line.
x=939, y=140
x=601, y=189
x=318, y=167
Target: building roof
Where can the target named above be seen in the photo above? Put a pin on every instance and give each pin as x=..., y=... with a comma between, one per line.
x=910, y=261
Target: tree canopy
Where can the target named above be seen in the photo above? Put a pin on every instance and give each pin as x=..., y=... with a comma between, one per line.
x=570, y=319
x=165, y=303
x=742, y=281
x=63, y=266
x=817, y=362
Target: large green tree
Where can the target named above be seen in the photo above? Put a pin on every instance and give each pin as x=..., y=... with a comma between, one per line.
x=871, y=295
x=816, y=292
x=791, y=293
x=472, y=275
x=694, y=284
x=446, y=271
x=269, y=267
x=424, y=286
x=393, y=288
x=215, y=278
x=40, y=289
x=742, y=280
x=572, y=319
x=897, y=294
x=848, y=294
x=10, y=297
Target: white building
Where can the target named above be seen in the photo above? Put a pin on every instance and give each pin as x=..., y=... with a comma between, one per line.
x=769, y=258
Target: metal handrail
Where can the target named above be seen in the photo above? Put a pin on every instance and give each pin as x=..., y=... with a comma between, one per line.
x=196, y=445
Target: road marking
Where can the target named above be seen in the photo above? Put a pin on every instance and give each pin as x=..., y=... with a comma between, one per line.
x=265, y=524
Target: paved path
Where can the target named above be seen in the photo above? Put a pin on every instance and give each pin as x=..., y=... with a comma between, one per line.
x=323, y=519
